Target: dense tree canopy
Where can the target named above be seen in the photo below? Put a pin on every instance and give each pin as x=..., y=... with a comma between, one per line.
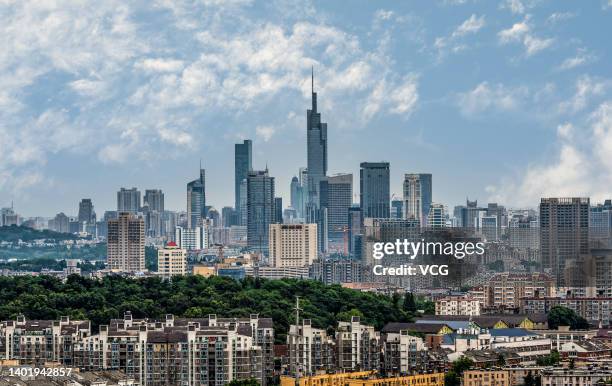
x=15, y=233
x=563, y=316
x=45, y=297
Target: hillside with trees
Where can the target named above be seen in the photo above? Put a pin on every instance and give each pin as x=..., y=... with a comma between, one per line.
x=45, y=297
x=14, y=233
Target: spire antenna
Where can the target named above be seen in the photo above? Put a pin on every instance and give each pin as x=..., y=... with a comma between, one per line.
x=312, y=79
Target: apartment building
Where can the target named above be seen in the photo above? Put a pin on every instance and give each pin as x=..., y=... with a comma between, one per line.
x=171, y=261
x=403, y=352
x=506, y=289
x=575, y=377
x=458, y=305
x=208, y=351
x=486, y=378
x=357, y=346
x=36, y=342
x=311, y=350
x=597, y=311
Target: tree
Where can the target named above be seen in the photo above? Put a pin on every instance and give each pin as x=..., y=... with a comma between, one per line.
x=563, y=316
x=244, y=382
x=501, y=360
x=409, y=303
x=531, y=380
x=550, y=360
x=453, y=376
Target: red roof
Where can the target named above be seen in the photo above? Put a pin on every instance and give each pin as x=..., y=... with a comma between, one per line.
x=171, y=244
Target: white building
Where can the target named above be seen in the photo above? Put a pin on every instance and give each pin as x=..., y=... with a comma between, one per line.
x=191, y=239
x=458, y=305
x=171, y=261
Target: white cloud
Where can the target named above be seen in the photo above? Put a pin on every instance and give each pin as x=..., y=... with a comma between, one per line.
x=582, y=58
x=490, y=97
x=160, y=65
x=265, y=132
x=176, y=137
x=515, y=6
x=581, y=166
x=586, y=89
x=521, y=32
x=558, y=17
x=404, y=98
x=514, y=33
x=472, y=25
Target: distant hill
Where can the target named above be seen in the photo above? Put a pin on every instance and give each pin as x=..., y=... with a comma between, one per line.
x=15, y=233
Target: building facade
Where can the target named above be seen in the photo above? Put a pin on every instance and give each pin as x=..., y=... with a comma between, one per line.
x=126, y=243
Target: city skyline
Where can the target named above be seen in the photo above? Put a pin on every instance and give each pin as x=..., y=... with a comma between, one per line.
x=529, y=116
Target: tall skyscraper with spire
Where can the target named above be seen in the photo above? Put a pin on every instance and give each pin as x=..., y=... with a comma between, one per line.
x=316, y=149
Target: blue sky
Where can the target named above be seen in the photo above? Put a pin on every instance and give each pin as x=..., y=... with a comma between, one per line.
x=502, y=100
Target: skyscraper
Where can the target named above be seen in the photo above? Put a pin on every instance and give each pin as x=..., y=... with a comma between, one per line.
x=126, y=243
x=564, y=233
x=316, y=133
x=243, y=163
x=260, y=208
x=337, y=196
x=437, y=217
x=196, y=201
x=86, y=211
x=374, y=195
x=354, y=231
x=297, y=197
x=278, y=210
x=417, y=197
x=128, y=200
x=155, y=199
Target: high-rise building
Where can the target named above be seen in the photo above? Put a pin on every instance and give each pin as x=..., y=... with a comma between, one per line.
x=171, y=261
x=260, y=208
x=417, y=197
x=297, y=196
x=437, y=217
x=243, y=163
x=195, y=239
x=354, y=230
x=316, y=133
x=229, y=216
x=278, y=210
x=128, y=200
x=397, y=208
x=243, y=213
x=564, y=233
x=126, y=243
x=337, y=196
x=60, y=223
x=86, y=211
x=358, y=346
x=374, y=180
x=293, y=245
x=196, y=201
x=154, y=198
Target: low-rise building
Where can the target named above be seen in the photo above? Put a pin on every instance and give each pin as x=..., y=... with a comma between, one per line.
x=364, y=378
x=458, y=305
x=575, y=377
x=486, y=378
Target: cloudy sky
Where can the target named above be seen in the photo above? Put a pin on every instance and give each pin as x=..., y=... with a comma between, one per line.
x=502, y=101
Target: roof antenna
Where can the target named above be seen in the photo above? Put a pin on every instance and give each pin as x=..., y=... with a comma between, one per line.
x=312, y=79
